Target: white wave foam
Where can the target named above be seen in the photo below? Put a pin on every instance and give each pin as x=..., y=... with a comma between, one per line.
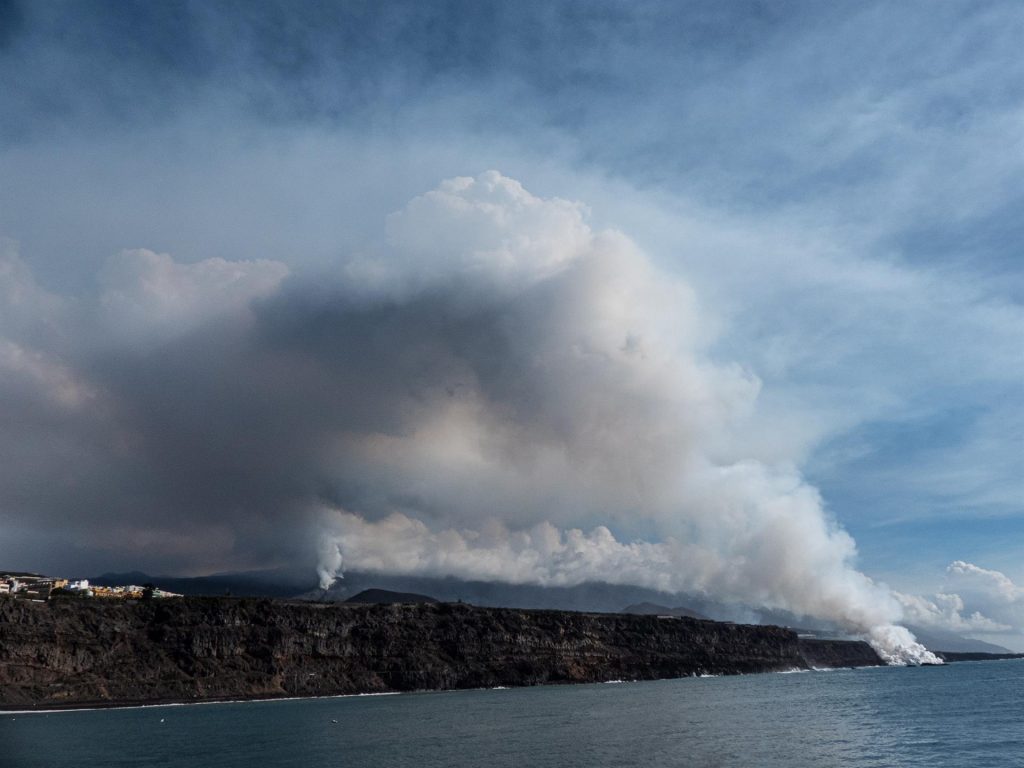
x=163, y=705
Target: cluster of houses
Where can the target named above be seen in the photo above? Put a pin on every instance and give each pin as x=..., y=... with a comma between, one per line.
x=34, y=586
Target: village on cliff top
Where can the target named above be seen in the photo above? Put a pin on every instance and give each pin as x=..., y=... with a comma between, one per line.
x=34, y=586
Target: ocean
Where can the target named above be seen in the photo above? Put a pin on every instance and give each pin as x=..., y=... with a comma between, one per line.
x=967, y=715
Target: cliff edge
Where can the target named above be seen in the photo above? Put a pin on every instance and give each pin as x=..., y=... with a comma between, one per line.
x=93, y=652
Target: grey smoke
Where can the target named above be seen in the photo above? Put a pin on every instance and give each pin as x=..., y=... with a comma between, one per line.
x=498, y=392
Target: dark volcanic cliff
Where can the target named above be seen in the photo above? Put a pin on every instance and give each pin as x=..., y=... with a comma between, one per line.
x=76, y=652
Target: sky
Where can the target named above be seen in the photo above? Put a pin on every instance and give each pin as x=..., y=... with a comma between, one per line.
x=709, y=296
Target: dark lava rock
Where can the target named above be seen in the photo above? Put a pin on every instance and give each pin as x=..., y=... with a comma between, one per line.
x=89, y=652
x=830, y=654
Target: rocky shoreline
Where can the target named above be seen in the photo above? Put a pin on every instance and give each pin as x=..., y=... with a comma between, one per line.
x=79, y=653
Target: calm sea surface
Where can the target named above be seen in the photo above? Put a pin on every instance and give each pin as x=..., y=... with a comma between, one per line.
x=966, y=715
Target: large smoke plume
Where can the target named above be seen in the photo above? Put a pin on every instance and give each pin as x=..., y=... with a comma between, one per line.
x=498, y=392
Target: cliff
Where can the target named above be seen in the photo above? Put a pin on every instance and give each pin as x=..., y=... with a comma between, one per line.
x=87, y=652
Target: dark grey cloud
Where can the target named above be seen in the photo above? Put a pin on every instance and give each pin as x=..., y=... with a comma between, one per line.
x=500, y=393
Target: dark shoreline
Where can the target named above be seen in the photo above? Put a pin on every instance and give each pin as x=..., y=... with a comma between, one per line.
x=107, y=704
x=86, y=706
x=75, y=654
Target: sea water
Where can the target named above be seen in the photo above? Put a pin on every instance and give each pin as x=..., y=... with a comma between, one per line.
x=967, y=715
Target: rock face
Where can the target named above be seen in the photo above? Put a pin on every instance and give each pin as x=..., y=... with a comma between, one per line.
x=86, y=652
x=830, y=654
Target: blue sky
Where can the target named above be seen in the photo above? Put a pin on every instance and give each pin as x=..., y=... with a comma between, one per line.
x=839, y=184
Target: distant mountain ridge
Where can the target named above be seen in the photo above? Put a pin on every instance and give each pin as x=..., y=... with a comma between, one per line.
x=273, y=583
x=387, y=597
x=954, y=643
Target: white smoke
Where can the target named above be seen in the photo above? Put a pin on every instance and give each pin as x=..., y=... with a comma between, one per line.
x=329, y=562
x=898, y=646
x=580, y=399
x=501, y=393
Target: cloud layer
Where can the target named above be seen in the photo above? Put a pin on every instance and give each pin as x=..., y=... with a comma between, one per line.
x=849, y=213
x=499, y=392
x=975, y=600
x=850, y=210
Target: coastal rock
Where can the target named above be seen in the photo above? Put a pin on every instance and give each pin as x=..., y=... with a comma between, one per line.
x=88, y=652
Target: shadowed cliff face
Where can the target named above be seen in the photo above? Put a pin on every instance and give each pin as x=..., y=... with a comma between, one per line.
x=83, y=652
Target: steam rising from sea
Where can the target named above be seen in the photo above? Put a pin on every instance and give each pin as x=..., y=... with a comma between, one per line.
x=498, y=392
x=569, y=425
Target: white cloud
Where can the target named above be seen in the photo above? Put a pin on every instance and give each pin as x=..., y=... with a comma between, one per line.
x=975, y=600
x=487, y=231
x=33, y=336
x=27, y=311
x=946, y=611
x=40, y=374
x=150, y=295
x=591, y=400
x=537, y=404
